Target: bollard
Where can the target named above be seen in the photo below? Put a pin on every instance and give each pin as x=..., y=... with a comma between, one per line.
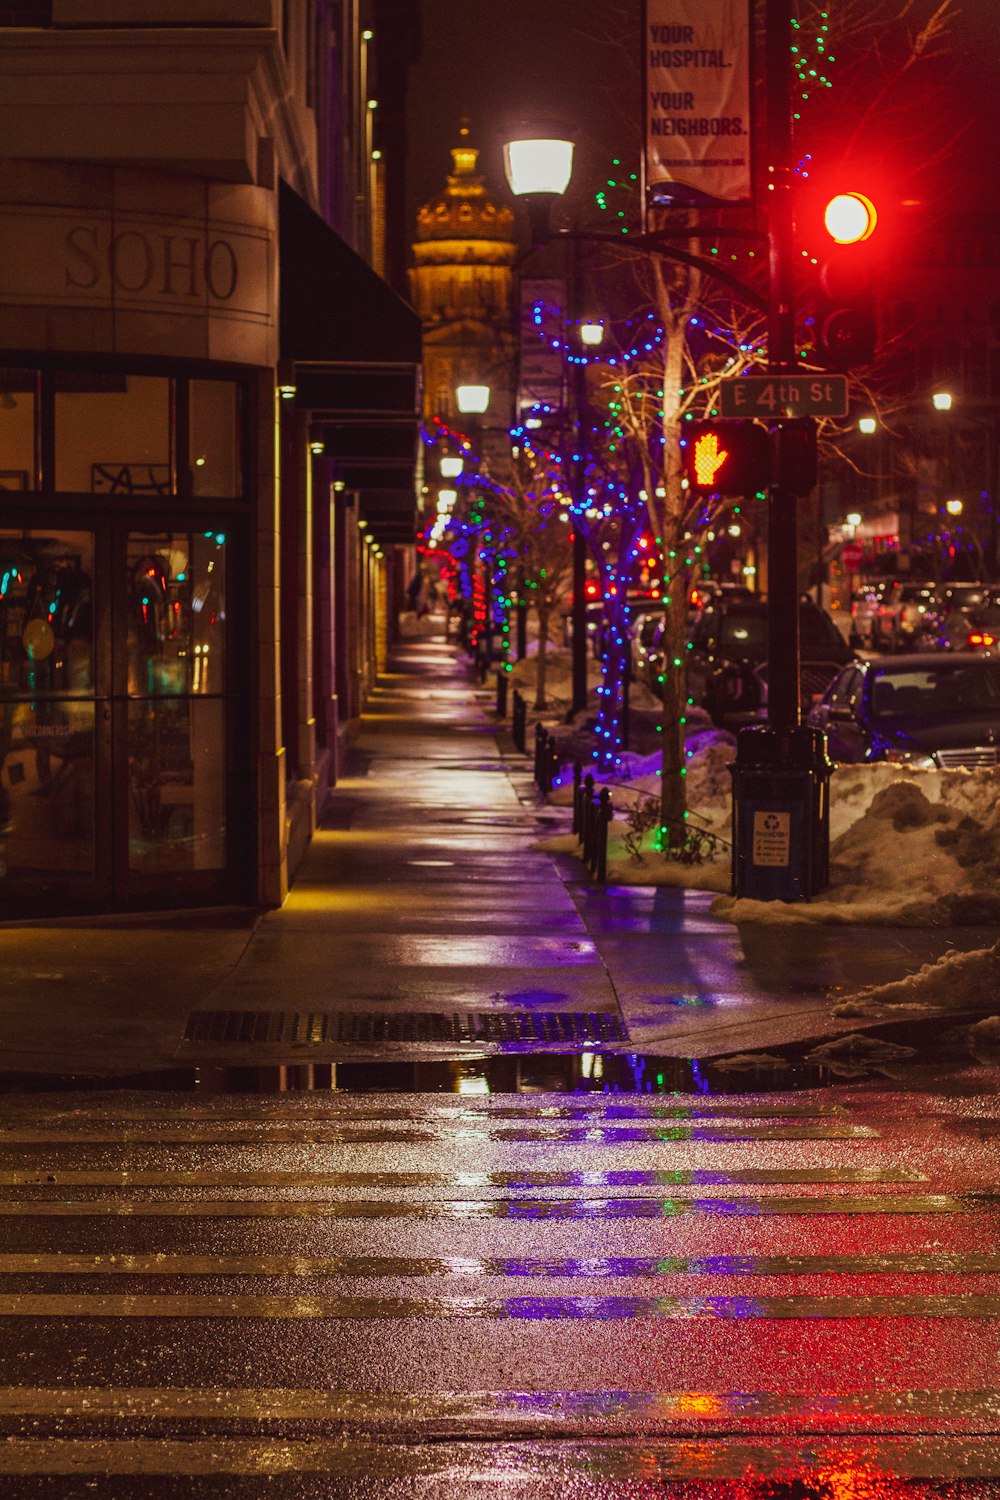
x=604, y=817
x=539, y=743
x=543, y=764
x=519, y=714
x=587, y=827
x=577, y=793
x=502, y=693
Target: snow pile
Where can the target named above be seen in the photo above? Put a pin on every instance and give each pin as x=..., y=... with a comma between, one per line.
x=958, y=981
x=923, y=851
x=908, y=848
x=984, y=1040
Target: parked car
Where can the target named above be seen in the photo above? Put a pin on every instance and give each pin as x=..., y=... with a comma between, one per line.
x=727, y=660
x=930, y=709
x=865, y=603
x=645, y=626
x=711, y=591
x=908, y=617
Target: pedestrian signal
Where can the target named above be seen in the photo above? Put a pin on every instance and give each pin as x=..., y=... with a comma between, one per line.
x=725, y=458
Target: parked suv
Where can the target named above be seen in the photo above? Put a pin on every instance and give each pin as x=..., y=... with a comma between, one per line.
x=727, y=660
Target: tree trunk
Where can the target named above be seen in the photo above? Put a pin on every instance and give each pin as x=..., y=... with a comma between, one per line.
x=541, y=665
x=673, y=793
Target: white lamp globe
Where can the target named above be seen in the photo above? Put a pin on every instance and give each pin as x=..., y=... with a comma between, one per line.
x=472, y=398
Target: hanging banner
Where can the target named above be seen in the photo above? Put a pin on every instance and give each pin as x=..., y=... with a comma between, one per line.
x=697, y=103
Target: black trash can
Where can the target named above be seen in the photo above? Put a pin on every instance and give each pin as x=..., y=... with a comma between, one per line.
x=781, y=813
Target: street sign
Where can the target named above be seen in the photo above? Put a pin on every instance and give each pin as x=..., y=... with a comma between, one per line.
x=851, y=556
x=772, y=397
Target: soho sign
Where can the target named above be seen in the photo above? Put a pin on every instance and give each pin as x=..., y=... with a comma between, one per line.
x=162, y=264
x=143, y=269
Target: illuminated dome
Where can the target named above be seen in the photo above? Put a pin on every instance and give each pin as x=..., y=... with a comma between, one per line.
x=464, y=211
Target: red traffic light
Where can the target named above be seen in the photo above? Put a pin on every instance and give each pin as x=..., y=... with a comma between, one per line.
x=849, y=218
x=846, y=327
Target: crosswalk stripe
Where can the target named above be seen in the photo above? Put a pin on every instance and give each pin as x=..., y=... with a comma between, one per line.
x=429, y=1408
x=529, y=1209
x=701, y=1109
x=900, y=1263
x=665, y=1177
x=209, y=1133
x=876, y=1458
x=72, y=1305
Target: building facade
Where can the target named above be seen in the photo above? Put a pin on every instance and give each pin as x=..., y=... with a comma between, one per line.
x=462, y=285
x=189, y=611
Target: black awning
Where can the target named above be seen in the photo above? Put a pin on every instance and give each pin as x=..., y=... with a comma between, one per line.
x=334, y=308
x=357, y=350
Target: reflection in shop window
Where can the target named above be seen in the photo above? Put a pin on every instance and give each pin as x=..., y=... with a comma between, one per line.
x=113, y=434
x=176, y=721
x=17, y=429
x=177, y=613
x=46, y=612
x=176, y=771
x=214, y=455
x=47, y=713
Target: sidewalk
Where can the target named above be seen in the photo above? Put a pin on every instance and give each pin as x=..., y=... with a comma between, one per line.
x=423, y=918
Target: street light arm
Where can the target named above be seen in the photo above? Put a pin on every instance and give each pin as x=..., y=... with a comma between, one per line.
x=655, y=243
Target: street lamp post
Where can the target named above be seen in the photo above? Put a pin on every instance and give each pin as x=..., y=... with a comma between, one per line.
x=473, y=400
x=538, y=161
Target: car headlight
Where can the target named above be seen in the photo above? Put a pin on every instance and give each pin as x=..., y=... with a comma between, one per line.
x=915, y=759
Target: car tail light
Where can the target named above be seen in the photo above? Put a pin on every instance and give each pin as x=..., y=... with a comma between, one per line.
x=980, y=638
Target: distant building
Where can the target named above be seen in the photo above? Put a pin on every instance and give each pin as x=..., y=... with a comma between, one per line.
x=462, y=285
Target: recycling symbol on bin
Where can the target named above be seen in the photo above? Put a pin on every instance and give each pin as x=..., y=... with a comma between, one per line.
x=772, y=822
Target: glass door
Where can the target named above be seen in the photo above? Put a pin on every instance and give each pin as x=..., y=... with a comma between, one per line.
x=54, y=716
x=177, y=713
x=124, y=744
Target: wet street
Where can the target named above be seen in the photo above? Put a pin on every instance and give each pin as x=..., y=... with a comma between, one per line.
x=543, y=1295
x=441, y=1180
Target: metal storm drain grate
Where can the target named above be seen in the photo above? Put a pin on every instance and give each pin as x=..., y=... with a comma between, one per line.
x=358, y=1028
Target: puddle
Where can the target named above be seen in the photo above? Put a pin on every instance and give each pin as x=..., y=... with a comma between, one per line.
x=910, y=1054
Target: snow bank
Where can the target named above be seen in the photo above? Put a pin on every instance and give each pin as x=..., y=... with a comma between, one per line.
x=958, y=981
x=908, y=848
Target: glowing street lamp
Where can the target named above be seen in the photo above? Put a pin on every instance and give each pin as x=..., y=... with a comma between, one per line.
x=451, y=466
x=538, y=162
x=867, y=425
x=941, y=400
x=592, y=334
x=472, y=399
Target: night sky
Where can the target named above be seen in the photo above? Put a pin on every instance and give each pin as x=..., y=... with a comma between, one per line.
x=577, y=60
x=497, y=60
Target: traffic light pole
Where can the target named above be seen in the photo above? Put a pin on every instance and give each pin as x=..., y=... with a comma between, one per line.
x=782, y=548
x=781, y=774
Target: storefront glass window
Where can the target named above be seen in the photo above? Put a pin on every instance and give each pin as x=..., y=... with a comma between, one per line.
x=113, y=434
x=177, y=613
x=17, y=429
x=176, y=720
x=47, y=711
x=215, y=438
x=176, y=773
